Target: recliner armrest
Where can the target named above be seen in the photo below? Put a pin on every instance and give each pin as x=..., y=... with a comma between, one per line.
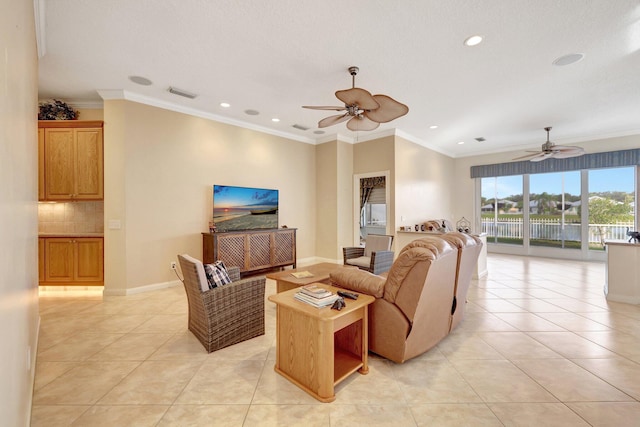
x=359, y=281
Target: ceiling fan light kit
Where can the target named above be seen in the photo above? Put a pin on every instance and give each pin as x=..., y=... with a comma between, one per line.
x=549, y=150
x=362, y=111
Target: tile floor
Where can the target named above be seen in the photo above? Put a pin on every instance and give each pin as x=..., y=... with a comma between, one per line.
x=540, y=346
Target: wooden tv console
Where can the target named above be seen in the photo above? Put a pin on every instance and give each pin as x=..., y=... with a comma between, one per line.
x=251, y=250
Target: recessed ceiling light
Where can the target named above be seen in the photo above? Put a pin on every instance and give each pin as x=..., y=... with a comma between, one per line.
x=480, y=139
x=275, y=119
x=461, y=142
x=252, y=112
x=225, y=105
x=433, y=127
x=318, y=132
x=473, y=40
x=141, y=80
x=568, y=59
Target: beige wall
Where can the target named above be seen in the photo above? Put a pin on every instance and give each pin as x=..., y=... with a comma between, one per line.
x=160, y=167
x=423, y=184
x=19, y=215
x=334, y=223
x=90, y=114
x=465, y=201
x=369, y=157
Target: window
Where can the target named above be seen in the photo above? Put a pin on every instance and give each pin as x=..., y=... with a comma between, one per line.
x=554, y=210
x=574, y=211
x=611, y=205
x=501, y=209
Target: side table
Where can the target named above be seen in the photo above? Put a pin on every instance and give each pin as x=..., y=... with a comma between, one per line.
x=317, y=348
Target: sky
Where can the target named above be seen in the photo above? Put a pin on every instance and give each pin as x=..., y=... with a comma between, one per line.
x=226, y=196
x=600, y=180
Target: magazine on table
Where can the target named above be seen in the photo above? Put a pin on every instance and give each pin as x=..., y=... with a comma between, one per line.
x=302, y=274
x=317, y=302
x=315, y=291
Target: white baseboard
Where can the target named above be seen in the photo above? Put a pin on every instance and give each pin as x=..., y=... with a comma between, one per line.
x=316, y=260
x=141, y=289
x=627, y=299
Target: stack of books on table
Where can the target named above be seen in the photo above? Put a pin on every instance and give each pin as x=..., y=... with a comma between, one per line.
x=316, y=296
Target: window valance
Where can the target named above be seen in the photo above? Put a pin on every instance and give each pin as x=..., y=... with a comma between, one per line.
x=609, y=159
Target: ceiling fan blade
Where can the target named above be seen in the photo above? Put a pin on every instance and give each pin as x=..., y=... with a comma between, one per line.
x=567, y=154
x=527, y=156
x=356, y=96
x=571, y=150
x=361, y=123
x=333, y=120
x=324, y=108
x=390, y=109
x=541, y=157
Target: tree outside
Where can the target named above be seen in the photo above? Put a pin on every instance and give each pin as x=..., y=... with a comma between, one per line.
x=603, y=211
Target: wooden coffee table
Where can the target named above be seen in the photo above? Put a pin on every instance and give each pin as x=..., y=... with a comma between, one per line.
x=285, y=280
x=317, y=348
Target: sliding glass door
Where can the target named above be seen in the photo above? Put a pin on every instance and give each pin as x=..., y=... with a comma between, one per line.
x=502, y=209
x=566, y=214
x=554, y=210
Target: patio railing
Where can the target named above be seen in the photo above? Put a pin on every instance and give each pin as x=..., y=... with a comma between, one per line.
x=551, y=229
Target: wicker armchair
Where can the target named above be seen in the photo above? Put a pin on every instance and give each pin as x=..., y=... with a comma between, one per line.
x=226, y=315
x=376, y=257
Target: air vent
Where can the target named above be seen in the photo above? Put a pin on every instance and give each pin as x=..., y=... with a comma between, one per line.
x=480, y=139
x=181, y=92
x=300, y=127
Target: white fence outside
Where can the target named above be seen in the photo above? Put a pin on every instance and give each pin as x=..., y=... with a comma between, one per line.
x=552, y=229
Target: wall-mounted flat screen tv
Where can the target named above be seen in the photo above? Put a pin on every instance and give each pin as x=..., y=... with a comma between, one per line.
x=244, y=208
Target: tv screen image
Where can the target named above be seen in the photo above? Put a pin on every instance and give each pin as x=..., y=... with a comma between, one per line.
x=244, y=208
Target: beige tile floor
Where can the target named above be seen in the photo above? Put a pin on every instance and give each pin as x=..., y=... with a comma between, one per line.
x=540, y=346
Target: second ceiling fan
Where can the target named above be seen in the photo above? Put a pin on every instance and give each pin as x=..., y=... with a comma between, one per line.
x=362, y=110
x=549, y=150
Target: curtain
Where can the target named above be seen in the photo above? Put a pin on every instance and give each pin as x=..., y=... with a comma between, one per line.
x=609, y=159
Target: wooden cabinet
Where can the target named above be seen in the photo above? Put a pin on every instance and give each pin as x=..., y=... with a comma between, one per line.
x=70, y=160
x=251, y=250
x=71, y=261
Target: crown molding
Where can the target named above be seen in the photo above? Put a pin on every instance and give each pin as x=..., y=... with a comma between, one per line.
x=154, y=102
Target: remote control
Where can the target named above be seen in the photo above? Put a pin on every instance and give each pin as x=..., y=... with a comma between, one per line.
x=349, y=295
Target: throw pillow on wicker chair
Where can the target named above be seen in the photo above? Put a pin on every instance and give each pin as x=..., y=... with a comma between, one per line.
x=216, y=274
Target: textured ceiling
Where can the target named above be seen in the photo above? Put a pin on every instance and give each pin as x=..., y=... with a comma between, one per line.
x=275, y=56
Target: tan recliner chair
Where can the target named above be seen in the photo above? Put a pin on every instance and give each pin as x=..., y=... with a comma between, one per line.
x=469, y=248
x=412, y=310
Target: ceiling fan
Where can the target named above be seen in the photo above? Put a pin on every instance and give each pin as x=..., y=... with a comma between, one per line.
x=363, y=110
x=549, y=149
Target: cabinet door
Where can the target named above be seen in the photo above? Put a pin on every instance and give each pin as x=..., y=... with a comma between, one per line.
x=259, y=251
x=59, y=164
x=231, y=249
x=88, y=260
x=59, y=256
x=284, y=247
x=89, y=163
x=41, y=195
